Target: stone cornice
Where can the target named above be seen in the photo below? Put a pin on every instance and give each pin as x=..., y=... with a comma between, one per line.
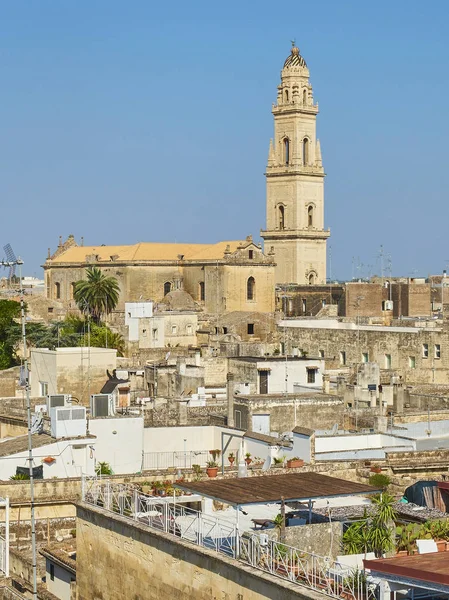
x=295, y=234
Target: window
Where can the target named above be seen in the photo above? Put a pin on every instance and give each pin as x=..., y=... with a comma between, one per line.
x=167, y=288
x=286, y=151
x=263, y=382
x=310, y=216
x=286, y=95
x=250, y=288
x=321, y=353
x=44, y=388
x=202, y=291
x=72, y=290
x=251, y=254
x=364, y=357
x=305, y=151
x=238, y=419
x=281, y=217
x=304, y=97
x=250, y=329
x=425, y=350
x=155, y=334
x=225, y=330
x=437, y=351
x=312, y=279
x=323, y=302
x=189, y=330
x=52, y=571
x=387, y=360
x=311, y=375
x=342, y=358
x=411, y=362
x=174, y=329
x=57, y=290
x=304, y=305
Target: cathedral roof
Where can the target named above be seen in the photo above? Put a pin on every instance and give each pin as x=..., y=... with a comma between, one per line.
x=147, y=251
x=295, y=59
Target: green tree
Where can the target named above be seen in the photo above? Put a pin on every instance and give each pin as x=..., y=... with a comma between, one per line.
x=9, y=332
x=98, y=295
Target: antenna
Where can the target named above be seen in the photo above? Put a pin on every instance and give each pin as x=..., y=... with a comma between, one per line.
x=11, y=261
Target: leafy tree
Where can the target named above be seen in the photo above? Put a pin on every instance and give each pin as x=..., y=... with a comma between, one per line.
x=9, y=332
x=98, y=295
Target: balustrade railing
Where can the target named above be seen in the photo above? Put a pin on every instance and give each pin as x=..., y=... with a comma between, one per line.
x=175, y=460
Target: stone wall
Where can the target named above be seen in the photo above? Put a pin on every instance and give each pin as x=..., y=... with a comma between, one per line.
x=133, y=561
x=323, y=539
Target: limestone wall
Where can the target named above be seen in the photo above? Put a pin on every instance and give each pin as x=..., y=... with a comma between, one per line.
x=142, y=563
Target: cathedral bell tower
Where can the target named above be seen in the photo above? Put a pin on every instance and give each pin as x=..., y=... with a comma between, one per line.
x=295, y=181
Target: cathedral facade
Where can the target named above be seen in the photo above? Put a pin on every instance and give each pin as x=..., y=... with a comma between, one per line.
x=295, y=232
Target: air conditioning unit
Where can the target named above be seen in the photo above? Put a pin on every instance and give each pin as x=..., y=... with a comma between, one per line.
x=102, y=405
x=58, y=400
x=68, y=421
x=388, y=305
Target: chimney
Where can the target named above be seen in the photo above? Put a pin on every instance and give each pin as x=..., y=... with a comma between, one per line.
x=230, y=398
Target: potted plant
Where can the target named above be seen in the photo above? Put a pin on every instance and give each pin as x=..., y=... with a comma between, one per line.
x=215, y=454
x=278, y=461
x=212, y=468
x=295, y=462
x=248, y=458
x=406, y=536
x=376, y=469
x=231, y=458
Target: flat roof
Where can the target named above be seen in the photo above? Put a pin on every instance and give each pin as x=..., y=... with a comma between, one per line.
x=432, y=568
x=268, y=489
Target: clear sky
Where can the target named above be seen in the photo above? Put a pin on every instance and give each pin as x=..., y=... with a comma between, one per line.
x=150, y=121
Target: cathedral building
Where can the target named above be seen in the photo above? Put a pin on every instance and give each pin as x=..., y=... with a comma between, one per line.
x=295, y=231
x=233, y=276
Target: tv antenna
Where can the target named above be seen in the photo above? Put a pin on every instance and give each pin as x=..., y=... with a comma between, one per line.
x=10, y=262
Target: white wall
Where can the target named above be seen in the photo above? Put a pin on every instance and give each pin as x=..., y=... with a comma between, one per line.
x=73, y=457
x=60, y=587
x=296, y=374
x=43, y=368
x=171, y=439
x=119, y=442
x=133, y=312
x=339, y=443
x=302, y=447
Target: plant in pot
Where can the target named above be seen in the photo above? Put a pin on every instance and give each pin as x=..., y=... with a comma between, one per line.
x=197, y=470
x=215, y=454
x=212, y=468
x=278, y=461
x=231, y=458
x=248, y=458
x=295, y=462
x=406, y=536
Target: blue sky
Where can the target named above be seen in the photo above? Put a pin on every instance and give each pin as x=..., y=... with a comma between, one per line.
x=143, y=121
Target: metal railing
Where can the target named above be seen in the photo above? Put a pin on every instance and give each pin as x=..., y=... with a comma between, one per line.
x=315, y=572
x=175, y=460
x=176, y=519
x=311, y=570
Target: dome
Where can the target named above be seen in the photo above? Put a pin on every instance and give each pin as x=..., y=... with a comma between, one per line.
x=295, y=59
x=179, y=300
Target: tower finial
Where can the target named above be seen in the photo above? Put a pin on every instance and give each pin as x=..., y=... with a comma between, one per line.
x=295, y=49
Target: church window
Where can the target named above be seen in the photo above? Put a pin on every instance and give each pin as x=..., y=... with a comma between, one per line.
x=250, y=288
x=312, y=279
x=310, y=216
x=250, y=328
x=305, y=151
x=202, y=291
x=286, y=95
x=250, y=254
x=281, y=217
x=174, y=329
x=304, y=97
x=57, y=290
x=189, y=330
x=167, y=288
x=286, y=151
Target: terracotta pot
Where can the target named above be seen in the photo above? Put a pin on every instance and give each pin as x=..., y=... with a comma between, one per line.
x=376, y=470
x=231, y=461
x=295, y=464
x=212, y=471
x=441, y=545
x=402, y=553
x=248, y=461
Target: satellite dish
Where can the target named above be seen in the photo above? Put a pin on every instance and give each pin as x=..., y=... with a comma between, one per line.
x=267, y=463
x=59, y=538
x=167, y=356
x=334, y=429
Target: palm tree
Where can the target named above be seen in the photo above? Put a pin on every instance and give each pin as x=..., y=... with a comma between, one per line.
x=98, y=295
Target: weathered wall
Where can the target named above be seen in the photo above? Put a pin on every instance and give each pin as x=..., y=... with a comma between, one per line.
x=142, y=563
x=323, y=539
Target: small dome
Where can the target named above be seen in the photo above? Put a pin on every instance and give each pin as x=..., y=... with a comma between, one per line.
x=295, y=59
x=179, y=300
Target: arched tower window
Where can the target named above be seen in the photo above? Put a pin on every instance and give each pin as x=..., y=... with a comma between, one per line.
x=202, y=291
x=250, y=288
x=304, y=97
x=281, y=217
x=286, y=95
x=312, y=279
x=305, y=151
x=57, y=290
x=167, y=288
x=310, y=216
x=286, y=151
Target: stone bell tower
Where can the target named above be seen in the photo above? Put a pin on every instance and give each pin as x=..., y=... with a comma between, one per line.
x=295, y=181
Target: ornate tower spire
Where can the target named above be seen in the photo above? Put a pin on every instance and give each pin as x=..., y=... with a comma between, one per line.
x=295, y=180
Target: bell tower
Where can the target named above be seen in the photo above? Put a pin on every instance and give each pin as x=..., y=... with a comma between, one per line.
x=295, y=181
